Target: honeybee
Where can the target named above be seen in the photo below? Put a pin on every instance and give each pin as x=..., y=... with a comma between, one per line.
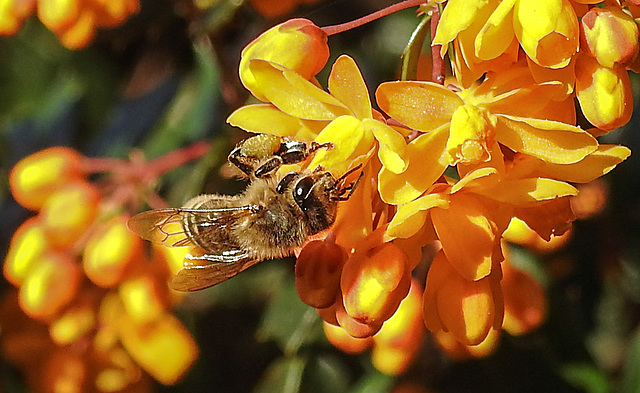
x=272, y=217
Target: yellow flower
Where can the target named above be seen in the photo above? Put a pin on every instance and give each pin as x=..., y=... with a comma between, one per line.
x=547, y=30
x=466, y=128
x=296, y=44
x=343, y=116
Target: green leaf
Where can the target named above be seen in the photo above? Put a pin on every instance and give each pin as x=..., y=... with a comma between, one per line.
x=586, y=377
x=290, y=322
x=631, y=376
x=326, y=373
x=373, y=382
x=283, y=376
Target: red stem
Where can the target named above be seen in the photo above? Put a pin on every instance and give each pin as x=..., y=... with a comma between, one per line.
x=335, y=29
x=437, y=69
x=177, y=158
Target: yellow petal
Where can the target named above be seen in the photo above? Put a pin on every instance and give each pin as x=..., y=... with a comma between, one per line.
x=466, y=233
x=293, y=94
x=526, y=192
x=264, y=119
x=427, y=162
x=347, y=85
x=550, y=141
x=596, y=164
x=350, y=140
x=421, y=105
x=410, y=217
x=457, y=16
x=493, y=38
x=391, y=145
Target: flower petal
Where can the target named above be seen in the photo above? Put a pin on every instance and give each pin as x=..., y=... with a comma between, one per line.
x=467, y=235
x=527, y=192
x=264, y=119
x=350, y=140
x=347, y=85
x=391, y=145
x=293, y=94
x=427, y=162
x=550, y=141
x=421, y=105
x=410, y=217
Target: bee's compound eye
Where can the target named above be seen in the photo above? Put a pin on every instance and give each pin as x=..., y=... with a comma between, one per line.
x=302, y=191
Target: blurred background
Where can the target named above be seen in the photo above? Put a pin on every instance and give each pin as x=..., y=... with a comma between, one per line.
x=167, y=77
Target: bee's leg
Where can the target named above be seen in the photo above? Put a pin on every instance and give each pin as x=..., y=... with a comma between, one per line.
x=240, y=161
x=269, y=166
x=315, y=146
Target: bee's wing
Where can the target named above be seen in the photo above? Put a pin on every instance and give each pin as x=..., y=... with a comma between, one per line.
x=202, y=270
x=165, y=226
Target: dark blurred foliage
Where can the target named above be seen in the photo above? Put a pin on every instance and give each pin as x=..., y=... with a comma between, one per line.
x=168, y=77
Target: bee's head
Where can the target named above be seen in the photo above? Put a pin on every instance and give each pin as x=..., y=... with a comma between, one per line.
x=316, y=194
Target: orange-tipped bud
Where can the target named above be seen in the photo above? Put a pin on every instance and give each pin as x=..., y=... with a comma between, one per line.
x=13, y=15
x=145, y=298
x=51, y=284
x=524, y=301
x=27, y=244
x=467, y=309
x=109, y=251
x=340, y=339
x=64, y=368
x=610, y=35
x=78, y=319
x=352, y=326
x=151, y=345
x=58, y=15
x=69, y=212
x=318, y=270
x=604, y=94
x=398, y=342
x=297, y=44
x=374, y=282
x=34, y=178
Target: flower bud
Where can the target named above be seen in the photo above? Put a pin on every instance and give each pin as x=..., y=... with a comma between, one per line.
x=58, y=16
x=34, y=178
x=610, y=35
x=296, y=44
x=69, y=212
x=467, y=309
x=109, y=251
x=374, y=282
x=340, y=339
x=27, y=244
x=144, y=298
x=524, y=300
x=152, y=344
x=318, y=269
x=52, y=282
x=398, y=342
x=78, y=319
x=604, y=94
x=13, y=15
x=548, y=31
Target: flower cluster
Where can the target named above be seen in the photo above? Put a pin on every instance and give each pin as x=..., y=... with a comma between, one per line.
x=447, y=167
x=94, y=305
x=74, y=22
